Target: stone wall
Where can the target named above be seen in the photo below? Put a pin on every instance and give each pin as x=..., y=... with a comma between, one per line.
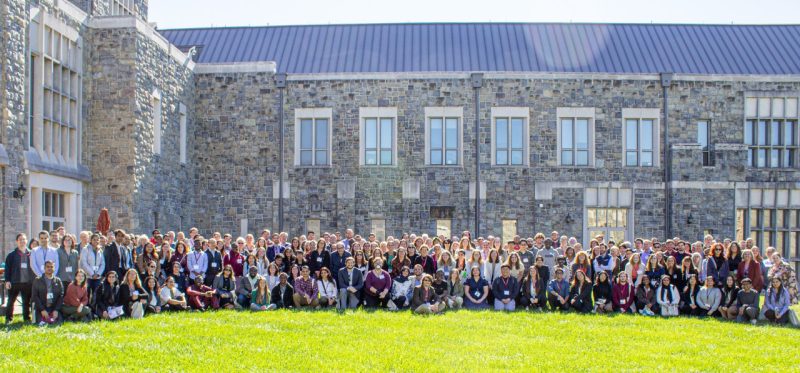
x=13, y=121
x=696, y=210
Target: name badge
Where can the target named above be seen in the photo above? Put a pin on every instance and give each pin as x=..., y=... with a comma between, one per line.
x=23, y=265
x=135, y=292
x=380, y=277
x=161, y=261
x=95, y=268
x=525, y=260
x=213, y=265
x=239, y=260
x=622, y=301
x=68, y=269
x=477, y=294
x=196, y=267
x=505, y=292
x=49, y=296
x=319, y=259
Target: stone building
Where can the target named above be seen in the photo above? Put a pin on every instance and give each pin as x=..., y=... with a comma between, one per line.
x=626, y=130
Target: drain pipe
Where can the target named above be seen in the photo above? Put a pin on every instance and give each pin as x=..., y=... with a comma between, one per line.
x=666, y=83
x=477, y=83
x=280, y=83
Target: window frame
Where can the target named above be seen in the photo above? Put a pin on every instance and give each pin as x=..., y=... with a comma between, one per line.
x=379, y=114
x=576, y=113
x=608, y=197
x=639, y=115
x=510, y=113
x=313, y=114
x=182, y=133
x=766, y=234
x=158, y=114
x=60, y=208
x=756, y=103
x=444, y=113
x=707, y=152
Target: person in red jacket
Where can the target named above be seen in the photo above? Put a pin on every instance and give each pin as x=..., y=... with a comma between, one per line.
x=623, y=294
x=750, y=268
x=202, y=297
x=235, y=259
x=76, y=300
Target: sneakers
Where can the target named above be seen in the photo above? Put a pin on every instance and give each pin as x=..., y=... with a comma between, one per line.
x=42, y=323
x=754, y=321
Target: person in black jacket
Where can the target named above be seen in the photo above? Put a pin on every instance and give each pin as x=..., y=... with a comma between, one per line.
x=602, y=293
x=282, y=294
x=544, y=271
x=534, y=291
x=214, y=262
x=688, y=305
x=132, y=296
x=319, y=258
x=18, y=277
x=580, y=293
x=47, y=295
x=115, y=255
x=107, y=296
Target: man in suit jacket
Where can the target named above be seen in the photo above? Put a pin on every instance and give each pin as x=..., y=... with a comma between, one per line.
x=48, y=295
x=214, y=258
x=282, y=294
x=350, y=281
x=116, y=255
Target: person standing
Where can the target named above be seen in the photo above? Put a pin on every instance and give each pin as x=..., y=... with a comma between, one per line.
x=214, y=259
x=18, y=278
x=197, y=262
x=42, y=254
x=93, y=262
x=115, y=254
x=68, y=257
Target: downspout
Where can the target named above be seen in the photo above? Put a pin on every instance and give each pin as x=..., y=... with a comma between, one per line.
x=666, y=83
x=477, y=83
x=280, y=83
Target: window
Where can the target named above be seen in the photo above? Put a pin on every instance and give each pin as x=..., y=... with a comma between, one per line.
x=31, y=100
x=443, y=135
x=443, y=227
x=378, y=227
x=770, y=131
x=378, y=133
x=608, y=212
x=509, y=229
x=56, y=91
x=313, y=137
x=777, y=227
x=704, y=138
x=313, y=225
x=575, y=136
x=122, y=7
x=53, y=215
x=156, y=103
x=183, y=133
x=639, y=142
x=510, y=136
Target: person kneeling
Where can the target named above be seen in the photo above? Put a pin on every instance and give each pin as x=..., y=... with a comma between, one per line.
x=623, y=294
x=202, y=297
x=668, y=297
x=558, y=292
x=76, y=300
x=259, y=300
x=171, y=297
x=282, y=295
x=327, y=289
x=747, y=302
x=505, y=289
x=423, y=300
x=708, y=298
x=580, y=294
x=305, y=290
x=48, y=295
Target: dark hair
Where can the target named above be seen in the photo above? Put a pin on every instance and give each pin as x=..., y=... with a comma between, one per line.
x=19, y=235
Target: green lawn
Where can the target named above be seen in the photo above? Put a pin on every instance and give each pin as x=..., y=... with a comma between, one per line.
x=383, y=341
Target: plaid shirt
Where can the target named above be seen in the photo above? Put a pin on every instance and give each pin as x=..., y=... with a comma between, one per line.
x=305, y=287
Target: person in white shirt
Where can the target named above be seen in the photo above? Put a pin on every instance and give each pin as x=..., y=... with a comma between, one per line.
x=197, y=262
x=42, y=254
x=327, y=288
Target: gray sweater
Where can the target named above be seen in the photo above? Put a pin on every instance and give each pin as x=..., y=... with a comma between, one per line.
x=708, y=299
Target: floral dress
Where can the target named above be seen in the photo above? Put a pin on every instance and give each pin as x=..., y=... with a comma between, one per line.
x=788, y=277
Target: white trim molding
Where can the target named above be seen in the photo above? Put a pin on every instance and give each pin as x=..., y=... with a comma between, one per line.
x=378, y=113
x=444, y=112
x=39, y=182
x=639, y=114
x=511, y=112
x=312, y=113
x=575, y=113
x=236, y=67
x=145, y=29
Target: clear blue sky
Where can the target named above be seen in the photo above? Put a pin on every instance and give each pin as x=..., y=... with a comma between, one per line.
x=203, y=13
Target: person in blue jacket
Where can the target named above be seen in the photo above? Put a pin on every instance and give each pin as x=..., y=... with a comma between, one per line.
x=776, y=302
x=558, y=292
x=716, y=265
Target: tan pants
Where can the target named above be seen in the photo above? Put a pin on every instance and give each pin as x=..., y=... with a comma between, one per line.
x=731, y=313
x=300, y=301
x=455, y=302
x=426, y=309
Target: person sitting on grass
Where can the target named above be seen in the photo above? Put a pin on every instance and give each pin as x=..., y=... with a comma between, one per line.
x=580, y=294
x=225, y=285
x=623, y=294
x=776, y=302
x=377, y=285
x=423, y=301
x=708, y=298
x=645, y=296
x=534, y=291
x=107, y=298
x=689, y=298
x=47, y=295
x=132, y=296
x=558, y=291
x=76, y=300
x=476, y=290
x=401, y=287
x=153, y=299
x=727, y=307
x=178, y=276
x=455, y=290
x=305, y=290
x=172, y=299
x=202, y=297
x=282, y=295
x=747, y=300
x=350, y=283
x=603, y=293
x=260, y=297
x=668, y=297
x=505, y=289
x=440, y=286
x=327, y=288
x=245, y=286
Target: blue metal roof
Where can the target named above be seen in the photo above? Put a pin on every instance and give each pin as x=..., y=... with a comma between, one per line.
x=507, y=47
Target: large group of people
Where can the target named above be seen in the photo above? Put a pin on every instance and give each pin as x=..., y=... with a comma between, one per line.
x=113, y=275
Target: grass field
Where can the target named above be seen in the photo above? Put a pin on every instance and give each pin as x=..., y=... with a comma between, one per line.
x=384, y=341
